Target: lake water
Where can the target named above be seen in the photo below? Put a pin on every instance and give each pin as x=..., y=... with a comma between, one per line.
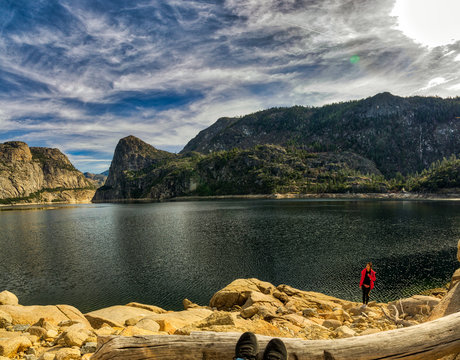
x=92, y=256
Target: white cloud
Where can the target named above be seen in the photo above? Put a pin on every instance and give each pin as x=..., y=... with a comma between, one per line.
x=69, y=87
x=455, y=87
x=429, y=22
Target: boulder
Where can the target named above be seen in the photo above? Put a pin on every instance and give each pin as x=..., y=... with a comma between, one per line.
x=316, y=332
x=177, y=320
x=105, y=331
x=136, y=331
x=148, y=324
x=5, y=319
x=415, y=304
x=332, y=323
x=49, y=355
x=67, y=354
x=249, y=312
x=76, y=335
x=188, y=304
x=117, y=315
x=356, y=310
x=455, y=279
x=216, y=319
x=311, y=299
x=310, y=312
x=166, y=326
x=49, y=326
x=133, y=321
x=237, y=293
x=20, y=327
x=339, y=315
x=51, y=334
x=344, y=332
x=255, y=297
x=152, y=308
x=266, y=312
x=280, y=296
x=37, y=331
x=89, y=347
x=8, y=298
x=298, y=320
x=11, y=344
x=458, y=251
x=448, y=305
x=54, y=314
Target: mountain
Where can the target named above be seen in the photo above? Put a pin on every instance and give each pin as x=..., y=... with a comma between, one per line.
x=36, y=174
x=441, y=176
x=132, y=156
x=399, y=134
x=139, y=171
x=97, y=180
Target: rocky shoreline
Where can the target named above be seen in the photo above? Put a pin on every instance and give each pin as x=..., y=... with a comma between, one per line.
x=351, y=196
x=62, y=332
x=88, y=194
x=344, y=196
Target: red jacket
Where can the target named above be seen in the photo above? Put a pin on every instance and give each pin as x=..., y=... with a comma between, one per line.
x=371, y=276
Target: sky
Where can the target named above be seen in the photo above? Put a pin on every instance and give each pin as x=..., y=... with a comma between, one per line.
x=81, y=74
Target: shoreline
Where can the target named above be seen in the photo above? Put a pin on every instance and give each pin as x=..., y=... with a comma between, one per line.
x=344, y=196
x=338, y=196
x=243, y=305
x=351, y=196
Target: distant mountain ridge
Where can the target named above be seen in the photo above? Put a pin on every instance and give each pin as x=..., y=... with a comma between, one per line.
x=399, y=134
x=37, y=174
x=372, y=145
x=97, y=179
x=139, y=171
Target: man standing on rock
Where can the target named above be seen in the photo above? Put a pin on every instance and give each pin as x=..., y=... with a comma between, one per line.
x=367, y=282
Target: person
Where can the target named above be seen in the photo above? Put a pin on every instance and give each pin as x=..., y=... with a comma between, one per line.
x=247, y=348
x=367, y=282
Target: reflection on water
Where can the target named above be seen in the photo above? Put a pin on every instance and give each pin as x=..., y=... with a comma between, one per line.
x=93, y=256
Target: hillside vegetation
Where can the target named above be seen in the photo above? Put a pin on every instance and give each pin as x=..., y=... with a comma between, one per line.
x=398, y=134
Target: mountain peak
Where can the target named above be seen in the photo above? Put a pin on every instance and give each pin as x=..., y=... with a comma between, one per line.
x=131, y=155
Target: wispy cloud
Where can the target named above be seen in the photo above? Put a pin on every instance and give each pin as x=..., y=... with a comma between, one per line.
x=80, y=74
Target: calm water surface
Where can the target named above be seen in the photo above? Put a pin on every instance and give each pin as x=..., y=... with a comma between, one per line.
x=92, y=256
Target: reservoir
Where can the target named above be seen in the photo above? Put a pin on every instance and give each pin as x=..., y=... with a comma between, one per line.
x=97, y=255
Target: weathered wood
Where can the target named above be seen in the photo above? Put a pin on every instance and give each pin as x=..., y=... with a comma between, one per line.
x=430, y=340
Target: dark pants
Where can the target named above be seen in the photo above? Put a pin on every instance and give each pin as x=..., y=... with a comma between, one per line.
x=366, y=291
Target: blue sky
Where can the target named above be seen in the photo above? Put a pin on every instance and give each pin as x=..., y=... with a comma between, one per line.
x=79, y=75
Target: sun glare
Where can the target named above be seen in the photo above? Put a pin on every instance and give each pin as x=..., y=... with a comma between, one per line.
x=429, y=22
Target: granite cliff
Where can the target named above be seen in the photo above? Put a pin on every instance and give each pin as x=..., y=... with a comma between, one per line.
x=139, y=171
x=133, y=158
x=398, y=134
x=97, y=180
x=379, y=144
x=36, y=174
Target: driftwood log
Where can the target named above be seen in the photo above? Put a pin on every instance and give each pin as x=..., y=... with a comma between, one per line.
x=430, y=340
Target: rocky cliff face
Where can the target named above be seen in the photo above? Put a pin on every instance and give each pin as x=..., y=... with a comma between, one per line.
x=399, y=134
x=139, y=171
x=131, y=158
x=39, y=174
x=97, y=180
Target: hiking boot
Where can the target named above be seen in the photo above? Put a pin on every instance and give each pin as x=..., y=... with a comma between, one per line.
x=275, y=350
x=246, y=347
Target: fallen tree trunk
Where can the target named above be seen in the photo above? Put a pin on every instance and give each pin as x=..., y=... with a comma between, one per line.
x=430, y=340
